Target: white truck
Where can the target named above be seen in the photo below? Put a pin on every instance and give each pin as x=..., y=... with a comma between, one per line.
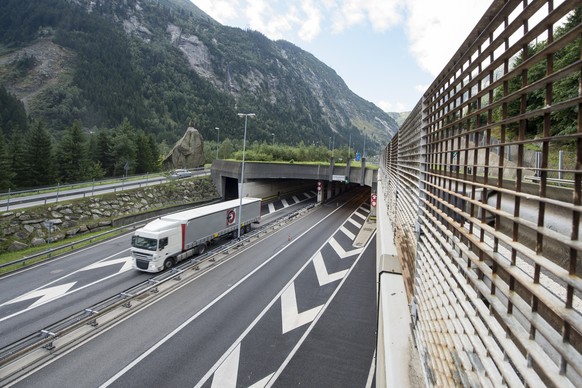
x=172, y=238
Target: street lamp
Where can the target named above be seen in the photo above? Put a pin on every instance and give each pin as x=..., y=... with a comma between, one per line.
x=242, y=171
x=217, y=140
x=273, y=138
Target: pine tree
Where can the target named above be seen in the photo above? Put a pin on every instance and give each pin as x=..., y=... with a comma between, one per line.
x=72, y=155
x=5, y=170
x=40, y=158
x=18, y=160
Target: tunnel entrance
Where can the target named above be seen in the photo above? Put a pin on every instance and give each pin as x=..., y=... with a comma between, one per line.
x=230, y=188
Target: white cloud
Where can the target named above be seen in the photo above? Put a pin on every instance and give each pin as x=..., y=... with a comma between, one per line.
x=436, y=29
x=381, y=14
x=222, y=11
x=388, y=106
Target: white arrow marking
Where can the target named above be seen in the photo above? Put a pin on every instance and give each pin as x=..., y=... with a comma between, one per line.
x=127, y=264
x=291, y=317
x=348, y=233
x=285, y=203
x=263, y=383
x=355, y=223
x=271, y=208
x=342, y=253
x=226, y=374
x=323, y=276
x=46, y=294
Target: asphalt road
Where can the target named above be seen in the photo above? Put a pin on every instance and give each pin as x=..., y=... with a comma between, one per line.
x=296, y=309
x=34, y=298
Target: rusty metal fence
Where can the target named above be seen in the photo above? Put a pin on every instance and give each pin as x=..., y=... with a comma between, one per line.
x=483, y=184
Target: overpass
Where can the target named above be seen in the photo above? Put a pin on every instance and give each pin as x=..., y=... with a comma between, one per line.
x=479, y=210
x=264, y=179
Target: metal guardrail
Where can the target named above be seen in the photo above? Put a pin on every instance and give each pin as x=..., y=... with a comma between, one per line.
x=86, y=189
x=84, y=323
x=491, y=260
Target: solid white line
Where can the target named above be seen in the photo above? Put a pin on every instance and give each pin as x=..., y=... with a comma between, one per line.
x=310, y=328
x=372, y=371
x=203, y=310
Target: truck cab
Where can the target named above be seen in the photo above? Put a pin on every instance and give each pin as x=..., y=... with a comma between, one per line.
x=154, y=246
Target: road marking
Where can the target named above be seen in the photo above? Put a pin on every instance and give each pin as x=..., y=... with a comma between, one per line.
x=285, y=203
x=263, y=382
x=251, y=326
x=355, y=223
x=152, y=349
x=127, y=264
x=291, y=317
x=341, y=252
x=323, y=276
x=359, y=215
x=227, y=373
x=296, y=199
x=348, y=233
x=46, y=294
x=271, y=208
x=276, y=375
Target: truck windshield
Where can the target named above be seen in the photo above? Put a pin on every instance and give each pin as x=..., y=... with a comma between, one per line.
x=144, y=243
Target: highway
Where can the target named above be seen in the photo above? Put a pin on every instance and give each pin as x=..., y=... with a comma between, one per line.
x=23, y=201
x=280, y=312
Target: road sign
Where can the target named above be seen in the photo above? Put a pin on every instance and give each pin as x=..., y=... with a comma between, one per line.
x=374, y=199
x=319, y=186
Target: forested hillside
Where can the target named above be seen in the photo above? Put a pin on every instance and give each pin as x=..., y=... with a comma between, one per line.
x=149, y=68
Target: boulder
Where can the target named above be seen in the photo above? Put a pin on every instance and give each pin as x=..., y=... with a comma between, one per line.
x=187, y=153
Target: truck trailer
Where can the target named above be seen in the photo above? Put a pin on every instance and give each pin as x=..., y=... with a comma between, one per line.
x=164, y=242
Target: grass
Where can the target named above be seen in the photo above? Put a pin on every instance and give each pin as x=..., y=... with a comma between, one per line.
x=58, y=248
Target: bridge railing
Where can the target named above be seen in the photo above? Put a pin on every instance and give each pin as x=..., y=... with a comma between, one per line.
x=486, y=218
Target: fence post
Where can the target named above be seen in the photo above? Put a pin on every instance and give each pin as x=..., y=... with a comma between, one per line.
x=561, y=164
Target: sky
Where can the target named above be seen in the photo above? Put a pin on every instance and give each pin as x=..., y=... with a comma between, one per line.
x=387, y=51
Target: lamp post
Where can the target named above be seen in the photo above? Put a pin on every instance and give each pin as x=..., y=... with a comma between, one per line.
x=242, y=171
x=273, y=138
x=217, y=140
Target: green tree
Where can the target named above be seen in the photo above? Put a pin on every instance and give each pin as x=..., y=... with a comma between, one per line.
x=123, y=149
x=102, y=152
x=18, y=160
x=5, y=171
x=146, y=154
x=72, y=156
x=40, y=158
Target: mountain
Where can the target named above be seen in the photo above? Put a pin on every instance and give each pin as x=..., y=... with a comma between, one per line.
x=162, y=64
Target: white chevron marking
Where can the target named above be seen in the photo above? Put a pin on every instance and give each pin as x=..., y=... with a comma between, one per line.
x=127, y=264
x=271, y=208
x=296, y=199
x=263, y=382
x=285, y=203
x=342, y=253
x=364, y=210
x=324, y=277
x=290, y=315
x=46, y=294
x=227, y=373
x=360, y=215
x=354, y=223
x=348, y=233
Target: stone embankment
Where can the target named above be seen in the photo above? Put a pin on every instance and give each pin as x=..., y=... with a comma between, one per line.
x=30, y=227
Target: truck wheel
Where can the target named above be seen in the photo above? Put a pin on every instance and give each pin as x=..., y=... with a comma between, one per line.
x=247, y=228
x=169, y=263
x=201, y=248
